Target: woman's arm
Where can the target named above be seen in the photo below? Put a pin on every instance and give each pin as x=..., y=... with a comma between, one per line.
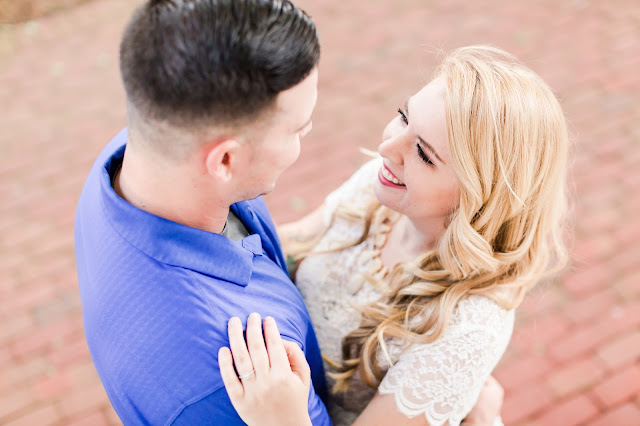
x=382, y=410
x=297, y=236
x=265, y=397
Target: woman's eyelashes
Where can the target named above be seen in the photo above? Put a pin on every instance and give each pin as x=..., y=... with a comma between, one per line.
x=403, y=116
x=423, y=155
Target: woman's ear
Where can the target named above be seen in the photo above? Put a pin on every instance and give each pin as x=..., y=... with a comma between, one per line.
x=222, y=158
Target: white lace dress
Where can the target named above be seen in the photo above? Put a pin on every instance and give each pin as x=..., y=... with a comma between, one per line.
x=440, y=380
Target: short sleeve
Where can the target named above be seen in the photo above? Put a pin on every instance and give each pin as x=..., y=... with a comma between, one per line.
x=442, y=380
x=213, y=409
x=216, y=409
x=357, y=190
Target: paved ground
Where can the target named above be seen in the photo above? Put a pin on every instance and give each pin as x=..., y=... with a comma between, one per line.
x=575, y=354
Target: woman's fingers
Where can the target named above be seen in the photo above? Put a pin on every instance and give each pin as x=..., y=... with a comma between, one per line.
x=253, y=358
x=241, y=357
x=229, y=378
x=298, y=362
x=277, y=354
x=255, y=342
x=265, y=398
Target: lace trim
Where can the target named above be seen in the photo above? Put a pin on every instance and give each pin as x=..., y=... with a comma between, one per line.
x=438, y=384
x=442, y=380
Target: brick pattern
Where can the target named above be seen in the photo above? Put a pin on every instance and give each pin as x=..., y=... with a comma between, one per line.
x=575, y=353
x=13, y=11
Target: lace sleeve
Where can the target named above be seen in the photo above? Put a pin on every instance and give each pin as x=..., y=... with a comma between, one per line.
x=442, y=380
x=356, y=190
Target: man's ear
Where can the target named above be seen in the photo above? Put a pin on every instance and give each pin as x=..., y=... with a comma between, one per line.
x=222, y=158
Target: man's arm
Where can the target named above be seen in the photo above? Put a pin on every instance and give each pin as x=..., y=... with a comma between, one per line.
x=216, y=409
x=213, y=409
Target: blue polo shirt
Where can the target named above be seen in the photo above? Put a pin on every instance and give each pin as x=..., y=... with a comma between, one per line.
x=157, y=295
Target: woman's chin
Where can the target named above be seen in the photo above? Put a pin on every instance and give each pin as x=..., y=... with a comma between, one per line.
x=383, y=197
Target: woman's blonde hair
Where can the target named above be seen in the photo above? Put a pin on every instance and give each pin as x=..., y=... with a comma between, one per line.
x=509, y=144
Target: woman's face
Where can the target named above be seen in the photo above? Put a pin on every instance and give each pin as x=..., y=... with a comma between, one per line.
x=417, y=178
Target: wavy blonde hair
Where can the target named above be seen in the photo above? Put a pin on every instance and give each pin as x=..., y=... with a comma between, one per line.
x=509, y=145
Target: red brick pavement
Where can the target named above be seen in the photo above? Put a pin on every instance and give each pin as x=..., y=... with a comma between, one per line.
x=575, y=354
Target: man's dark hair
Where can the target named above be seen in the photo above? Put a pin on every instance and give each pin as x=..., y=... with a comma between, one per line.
x=198, y=62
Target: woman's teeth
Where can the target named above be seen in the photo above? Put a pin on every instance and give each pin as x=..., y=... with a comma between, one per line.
x=388, y=176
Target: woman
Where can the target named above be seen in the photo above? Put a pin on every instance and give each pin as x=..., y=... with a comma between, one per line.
x=427, y=250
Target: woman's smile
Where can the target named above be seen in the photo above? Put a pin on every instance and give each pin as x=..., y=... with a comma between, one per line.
x=389, y=179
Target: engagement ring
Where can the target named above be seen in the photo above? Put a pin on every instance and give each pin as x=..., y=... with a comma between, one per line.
x=246, y=375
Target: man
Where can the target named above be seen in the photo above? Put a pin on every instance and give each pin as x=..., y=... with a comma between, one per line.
x=219, y=94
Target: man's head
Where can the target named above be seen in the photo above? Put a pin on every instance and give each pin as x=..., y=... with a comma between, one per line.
x=200, y=72
x=194, y=63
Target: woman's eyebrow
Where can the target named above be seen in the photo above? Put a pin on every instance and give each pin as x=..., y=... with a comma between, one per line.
x=422, y=141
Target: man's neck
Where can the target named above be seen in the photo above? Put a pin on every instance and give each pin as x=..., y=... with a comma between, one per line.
x=170, y=191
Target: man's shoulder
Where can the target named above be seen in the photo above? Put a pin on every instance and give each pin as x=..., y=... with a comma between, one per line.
x=153, y=338
x=88, y=212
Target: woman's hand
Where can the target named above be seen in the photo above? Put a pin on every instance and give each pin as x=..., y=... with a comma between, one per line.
x=272, y=384
x=487, y=408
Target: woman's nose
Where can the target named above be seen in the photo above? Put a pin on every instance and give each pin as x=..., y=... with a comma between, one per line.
x=392, y=145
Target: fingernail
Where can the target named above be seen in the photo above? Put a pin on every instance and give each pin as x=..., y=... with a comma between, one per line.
x=255, y=316
x=234, y=320
x=270, y=319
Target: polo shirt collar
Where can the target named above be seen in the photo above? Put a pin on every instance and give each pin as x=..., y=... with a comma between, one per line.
x=173, y=243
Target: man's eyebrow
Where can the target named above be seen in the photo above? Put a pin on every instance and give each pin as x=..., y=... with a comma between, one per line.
x=422, y=141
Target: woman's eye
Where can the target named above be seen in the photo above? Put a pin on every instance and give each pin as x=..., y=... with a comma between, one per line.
x=423, y=155
x=403, y=116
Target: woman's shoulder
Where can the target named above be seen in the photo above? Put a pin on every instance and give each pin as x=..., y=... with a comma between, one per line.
x=442, y=379
x=481, y=314
x=475, y=317
x=356, y=192
x=365, y=174
x=480, y=305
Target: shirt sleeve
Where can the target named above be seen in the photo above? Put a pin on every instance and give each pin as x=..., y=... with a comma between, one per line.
x=216, y=409
x=442, y=380
x=357, y=190
x=213, y=409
